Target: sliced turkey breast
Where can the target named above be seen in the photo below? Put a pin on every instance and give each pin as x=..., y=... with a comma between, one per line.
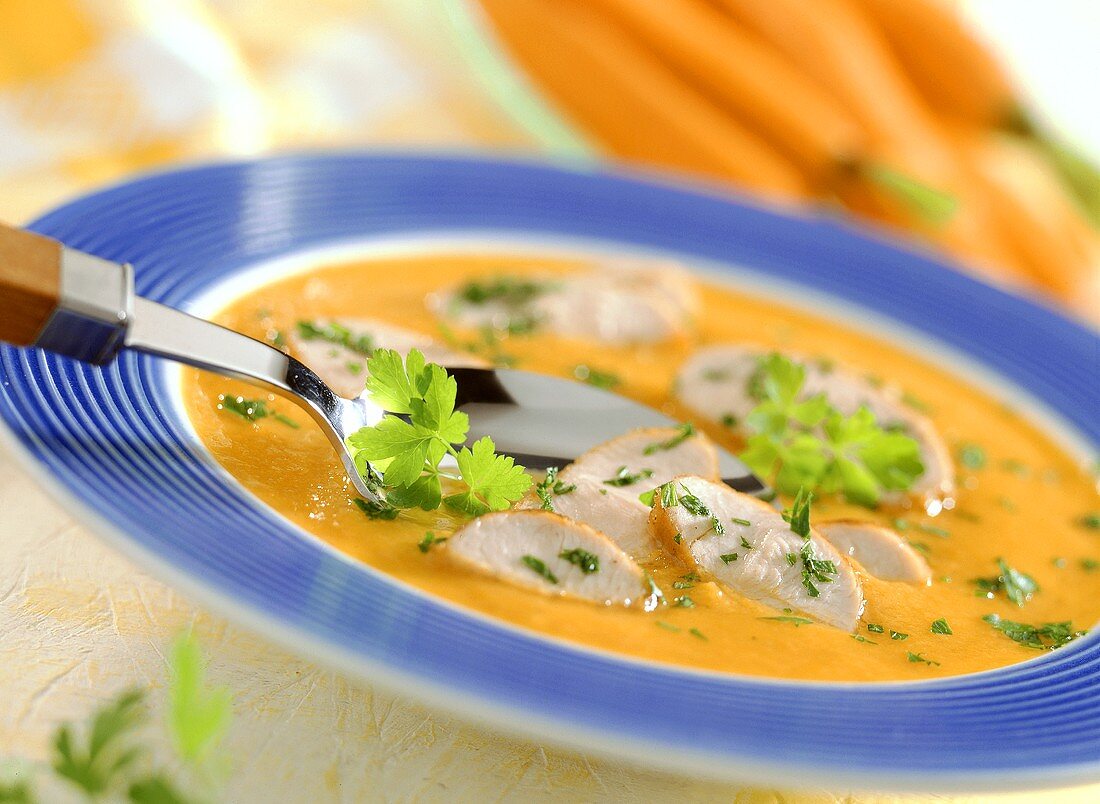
x=338, y=349
x=620, y=303
x=717, y=383
x=547, y=552
x=603, y=485
x=879, y=550
x=703, y=522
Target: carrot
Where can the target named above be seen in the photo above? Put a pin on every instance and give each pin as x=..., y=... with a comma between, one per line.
x=632, y=104
x=953, y=70
x=747, y=77
x=1039, y=221
x=836, y=48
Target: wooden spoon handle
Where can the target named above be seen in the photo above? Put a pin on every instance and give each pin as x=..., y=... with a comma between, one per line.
x=30, y=284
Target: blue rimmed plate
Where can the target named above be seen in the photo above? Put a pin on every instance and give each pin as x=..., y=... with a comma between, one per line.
x=113, y=443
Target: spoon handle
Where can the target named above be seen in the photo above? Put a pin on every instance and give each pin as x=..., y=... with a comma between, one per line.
x=30, y=284
x=61, y=299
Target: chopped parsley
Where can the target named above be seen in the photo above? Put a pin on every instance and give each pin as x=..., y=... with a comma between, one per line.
x=799, y=514
x=716, y=375
x=420, y=428
x=684, y=432
x=897, y=636
x=788, y=618
x=728, y=420
x=806, y=442
x=1017, y=586
x=337, y=334
x=667, y=626
x=875, y=628
x=746, y=543
x=862, y=638
x=588, y=562
x=551, y=487
x=739, y=521
x=624, y=477
x=695, y=632
x=253, y=410
x=940, y=626
x=683, y=601
x=1016, y=467
x=600, y=379
x=728, y=558
x=1048, y=636
x=683, y=585
x=508, y=290
x=815, y=570
x=537, y=566
x=375, y=510
x=1090, y=564
x=429, y=541
x=1090, y=521
x=918, y=658
x=972, y=456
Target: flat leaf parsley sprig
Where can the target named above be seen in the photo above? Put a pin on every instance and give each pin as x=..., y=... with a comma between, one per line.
x=422, y=427
x=807, y=442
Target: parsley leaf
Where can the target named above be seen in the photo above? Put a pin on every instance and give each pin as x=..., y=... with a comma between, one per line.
x=624, y=477
x=588, y=562
x=595, y=377
x=538, y=566
x=494, y=481
x=940, y=626
x=551, y=487
x=199, y=715
x=685, y=431
x=799, y=514
x=336, y=334
x=804, y=441
x=1017, y=586
x=1048, y=636
x=99, y=765
x=409, y=448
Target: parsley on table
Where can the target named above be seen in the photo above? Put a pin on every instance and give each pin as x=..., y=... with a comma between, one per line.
x=684, y=432
x=1017, y=586
x=420, y=428
x=588, y=562
x=804, y=441
x=198, y=714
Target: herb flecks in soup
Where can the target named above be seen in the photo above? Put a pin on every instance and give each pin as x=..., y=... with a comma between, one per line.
x=990, y=562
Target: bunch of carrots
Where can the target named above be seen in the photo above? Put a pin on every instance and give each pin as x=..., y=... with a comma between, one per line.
x=891, y=108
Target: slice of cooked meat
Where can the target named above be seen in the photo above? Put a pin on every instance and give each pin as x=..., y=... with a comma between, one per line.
x=702, y=522
x=622, y=302
x=545, y=551
x=716, y=382
x=621, y=517
x=608, y=479
x=879, y=550
x=339, y=356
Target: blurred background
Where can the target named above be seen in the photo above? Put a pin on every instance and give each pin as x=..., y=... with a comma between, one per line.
x=969, y=127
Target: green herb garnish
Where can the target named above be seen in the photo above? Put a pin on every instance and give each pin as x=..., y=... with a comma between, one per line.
x=897, y=636
x=728, y=558
x=1017, y=586
x=252, y=409
x=1090, y=521
x=429, y=541
x=668, y=626
x=551, y=487
x=806, y=442
x=421, y=426
x=1048, y=636
x=336, y=334
x=695, y=632
x=875, y=628
x=588, y=562
x=940, y=626
x=787, y=618
x=683, y=601
x=972, y=456
x=799, y=514
x=624, y=477
x=815, y=570
x=537, y=566
x=917, y=658
x=600, y=379
x=684, y=432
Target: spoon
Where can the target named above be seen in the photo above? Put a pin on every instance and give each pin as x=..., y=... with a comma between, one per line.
x=83, y=307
